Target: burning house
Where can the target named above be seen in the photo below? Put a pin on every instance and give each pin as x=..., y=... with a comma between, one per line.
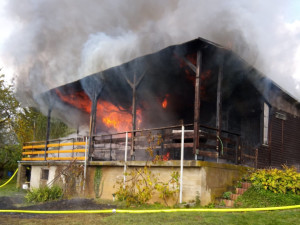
x=230, y=112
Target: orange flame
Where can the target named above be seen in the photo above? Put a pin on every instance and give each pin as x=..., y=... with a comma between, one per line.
x=116, y=118
x=164, y=103
x=111, y=116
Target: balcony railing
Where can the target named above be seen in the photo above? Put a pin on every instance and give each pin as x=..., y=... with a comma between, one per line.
x=57, y=150
x=164, y=142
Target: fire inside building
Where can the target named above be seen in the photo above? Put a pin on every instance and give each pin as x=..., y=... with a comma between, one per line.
x=230, y=112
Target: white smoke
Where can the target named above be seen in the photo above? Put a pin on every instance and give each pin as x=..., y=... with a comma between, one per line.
x=59, y=41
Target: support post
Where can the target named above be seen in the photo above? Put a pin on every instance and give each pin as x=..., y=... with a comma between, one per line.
x=181, y=163
x=219, y=105
x=134, y=85
x=133, y=117
x=197, y=104
x=125, y=157
x=85, y=163
x=47, y=132
x=92, y=124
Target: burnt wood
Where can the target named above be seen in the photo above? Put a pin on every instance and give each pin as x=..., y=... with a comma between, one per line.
x=197, y=103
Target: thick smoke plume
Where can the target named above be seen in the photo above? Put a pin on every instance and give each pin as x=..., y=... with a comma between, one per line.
x=59, y=41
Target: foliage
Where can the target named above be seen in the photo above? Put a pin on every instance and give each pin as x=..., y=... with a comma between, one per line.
x=227, y=195
x=72, y=179
x=238, y=184
x=138, y=188
x=9, y=150
x=277, y=181
x=9, y=155
x=44, y=194
x=257, y=196
x=141, y=185
x=32, y=125
x=197, y=200
x=97, y=182
x=21, y=124
x=168, y=190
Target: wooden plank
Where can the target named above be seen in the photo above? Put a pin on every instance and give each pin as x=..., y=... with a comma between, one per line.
x=53, y=145
x=66, y=158
x=209, y=154
x=178, y=145
x=54, y=158
x=53, y=151
x=248, y=156
x=66, y=144
x=34, y=147
x=33, y=159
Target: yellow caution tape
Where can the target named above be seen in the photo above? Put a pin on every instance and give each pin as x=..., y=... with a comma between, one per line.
x=9, y=179
x=152, y=210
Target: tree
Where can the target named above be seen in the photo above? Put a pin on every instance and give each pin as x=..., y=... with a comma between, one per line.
x=31, y=125
x=10, y=150
x=21, y=124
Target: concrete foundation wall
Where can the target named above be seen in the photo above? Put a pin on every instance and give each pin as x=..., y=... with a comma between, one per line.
x=204, y=179
x=36, y=175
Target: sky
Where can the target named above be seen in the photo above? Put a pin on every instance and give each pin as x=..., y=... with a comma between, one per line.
x=46, y=43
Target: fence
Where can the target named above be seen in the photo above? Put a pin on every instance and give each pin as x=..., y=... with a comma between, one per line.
x=162, y=143
x=165, y=143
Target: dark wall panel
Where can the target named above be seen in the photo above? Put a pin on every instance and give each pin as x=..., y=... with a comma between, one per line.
x=285, y=139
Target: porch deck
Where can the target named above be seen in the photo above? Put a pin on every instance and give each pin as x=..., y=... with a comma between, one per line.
x=145, y=145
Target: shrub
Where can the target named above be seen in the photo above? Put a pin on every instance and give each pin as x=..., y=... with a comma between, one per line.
x=257, y=196
x=141, y=185
x=44, y=194
x=277, y=181
x=227, y=194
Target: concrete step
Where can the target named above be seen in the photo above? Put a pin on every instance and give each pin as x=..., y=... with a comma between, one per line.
x=228, y=202
x=246, y=185
x=240, y=190
x=234, y=196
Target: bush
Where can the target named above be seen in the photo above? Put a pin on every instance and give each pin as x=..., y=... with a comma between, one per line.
x=277, y=181
x=44, y=194
x=259, y=197
x=227, y=195
x=141, y=185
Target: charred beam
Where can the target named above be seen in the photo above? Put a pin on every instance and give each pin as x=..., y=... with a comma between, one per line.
x=92, y=125
x=219, y=104
x=190, y=64
x=134, y=85
x=48, y=131
x=94, y=99
x=197, y=103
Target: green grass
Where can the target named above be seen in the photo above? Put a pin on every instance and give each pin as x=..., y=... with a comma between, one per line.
x=9, y=189
x=257, y=197
x=291, y=217
x=252, y=198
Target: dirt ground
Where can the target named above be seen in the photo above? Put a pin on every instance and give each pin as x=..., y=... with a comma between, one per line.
x=17, y=202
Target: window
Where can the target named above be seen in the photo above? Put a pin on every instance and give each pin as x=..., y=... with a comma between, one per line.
x=266, y=124
x=45, y=174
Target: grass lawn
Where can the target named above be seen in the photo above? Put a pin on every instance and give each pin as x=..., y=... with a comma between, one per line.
x=275, y=217
x=253, y=198
x=10, y=188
